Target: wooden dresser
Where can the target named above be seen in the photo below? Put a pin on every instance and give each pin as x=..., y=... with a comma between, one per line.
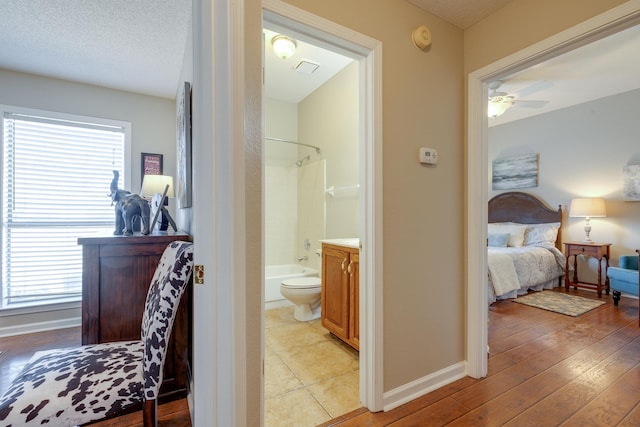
x=116, y=273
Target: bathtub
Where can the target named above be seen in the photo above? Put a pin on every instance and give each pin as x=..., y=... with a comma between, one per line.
x=275, y=274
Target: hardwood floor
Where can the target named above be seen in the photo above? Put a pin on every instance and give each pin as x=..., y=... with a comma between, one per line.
x=545, y=369
x=17, y=350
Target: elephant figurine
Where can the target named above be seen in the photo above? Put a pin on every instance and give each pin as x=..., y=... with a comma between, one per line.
x=127, y=207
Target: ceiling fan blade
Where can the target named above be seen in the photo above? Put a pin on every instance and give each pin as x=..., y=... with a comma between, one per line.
x=532, y=88
x=530, y=104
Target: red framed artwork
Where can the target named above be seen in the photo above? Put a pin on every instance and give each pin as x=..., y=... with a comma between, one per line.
x=151, y=165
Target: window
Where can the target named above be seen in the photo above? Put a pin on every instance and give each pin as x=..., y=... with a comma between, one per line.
x=56, y=175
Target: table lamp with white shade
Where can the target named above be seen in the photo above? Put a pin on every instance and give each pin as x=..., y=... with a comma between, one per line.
x=587, y=209
x=158, y=188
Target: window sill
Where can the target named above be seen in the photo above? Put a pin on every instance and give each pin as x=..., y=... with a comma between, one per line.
x=29, y=309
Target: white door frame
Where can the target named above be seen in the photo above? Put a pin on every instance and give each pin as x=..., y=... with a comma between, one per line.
x=368, y=52
x=612, y=21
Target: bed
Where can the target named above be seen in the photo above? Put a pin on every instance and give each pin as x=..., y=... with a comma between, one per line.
x=524, y=246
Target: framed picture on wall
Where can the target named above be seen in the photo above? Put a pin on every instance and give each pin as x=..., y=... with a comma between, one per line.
x=515, y=172
x=631, y=184
x=151, y=164
x=184, y=148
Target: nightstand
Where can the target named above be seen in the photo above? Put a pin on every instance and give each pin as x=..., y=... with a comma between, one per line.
x=596, y=250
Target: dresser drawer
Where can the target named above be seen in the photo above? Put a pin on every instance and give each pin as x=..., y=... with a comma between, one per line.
x=584, y=250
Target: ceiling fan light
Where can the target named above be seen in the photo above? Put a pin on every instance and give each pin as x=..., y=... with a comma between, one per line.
x=283, y=46
x=498, y=105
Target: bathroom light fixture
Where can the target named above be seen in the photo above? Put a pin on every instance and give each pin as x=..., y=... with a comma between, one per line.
x=587, y=208
x=283, y=46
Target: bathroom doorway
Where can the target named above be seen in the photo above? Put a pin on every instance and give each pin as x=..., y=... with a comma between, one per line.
x=311, y=143
x=302, y=156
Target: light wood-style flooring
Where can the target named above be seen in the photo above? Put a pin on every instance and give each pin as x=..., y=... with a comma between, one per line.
x=545, y=369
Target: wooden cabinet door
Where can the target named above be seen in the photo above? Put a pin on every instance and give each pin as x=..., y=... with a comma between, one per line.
x=354, y=299
x=335, y=290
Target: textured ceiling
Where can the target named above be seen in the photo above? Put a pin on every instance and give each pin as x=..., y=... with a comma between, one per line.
x=461, y=13
x=133, y=45
x=138, y=46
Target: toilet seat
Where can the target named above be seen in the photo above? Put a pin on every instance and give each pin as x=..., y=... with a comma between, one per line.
x=302, y=283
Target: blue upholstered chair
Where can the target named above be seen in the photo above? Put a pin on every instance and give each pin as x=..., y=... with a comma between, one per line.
x=72, y=386
x=624, y=278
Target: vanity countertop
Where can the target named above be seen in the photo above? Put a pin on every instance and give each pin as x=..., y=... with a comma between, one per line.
x=350, y=242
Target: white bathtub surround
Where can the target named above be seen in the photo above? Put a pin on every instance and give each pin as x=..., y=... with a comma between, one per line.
x=311, y=210
x=275, y=274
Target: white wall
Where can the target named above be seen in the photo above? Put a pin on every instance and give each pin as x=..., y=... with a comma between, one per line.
x=280, y=197
x=153, y=131
x=582, y=152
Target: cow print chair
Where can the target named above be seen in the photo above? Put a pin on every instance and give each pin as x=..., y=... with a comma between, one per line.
x=73, y=386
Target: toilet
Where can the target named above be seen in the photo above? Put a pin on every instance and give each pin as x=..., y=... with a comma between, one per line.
x=304, y=293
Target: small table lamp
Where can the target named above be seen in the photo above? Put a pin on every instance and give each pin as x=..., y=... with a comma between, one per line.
x=587, y=208
x=158, y=188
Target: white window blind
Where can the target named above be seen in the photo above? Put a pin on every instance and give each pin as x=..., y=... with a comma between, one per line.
x=56, y=176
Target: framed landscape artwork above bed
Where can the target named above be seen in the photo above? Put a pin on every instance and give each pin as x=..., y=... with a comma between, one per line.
x=631, y=176
x=515, y=172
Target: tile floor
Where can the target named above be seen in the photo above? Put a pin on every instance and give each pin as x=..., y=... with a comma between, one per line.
x=310, y=376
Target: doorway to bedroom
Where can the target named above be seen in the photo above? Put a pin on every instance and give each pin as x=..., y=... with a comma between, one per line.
x=480, y=147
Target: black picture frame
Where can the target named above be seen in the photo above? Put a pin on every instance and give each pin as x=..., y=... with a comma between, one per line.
x=150, y=164
x=184, y=148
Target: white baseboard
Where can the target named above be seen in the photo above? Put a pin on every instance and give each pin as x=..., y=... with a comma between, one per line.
x=408, y=392
x=30, y=328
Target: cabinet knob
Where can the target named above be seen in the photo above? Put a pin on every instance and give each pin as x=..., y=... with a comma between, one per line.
x=349, y=267
x=343, y=262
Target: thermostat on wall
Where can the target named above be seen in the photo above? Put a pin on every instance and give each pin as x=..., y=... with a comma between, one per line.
x=428, y=156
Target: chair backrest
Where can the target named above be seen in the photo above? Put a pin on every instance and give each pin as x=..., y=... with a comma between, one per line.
x=167, y=286
x=630, y=262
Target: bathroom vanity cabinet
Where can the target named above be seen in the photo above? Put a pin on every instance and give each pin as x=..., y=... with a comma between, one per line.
x=341, y=292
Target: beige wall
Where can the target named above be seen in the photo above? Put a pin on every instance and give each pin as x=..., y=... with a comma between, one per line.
x=423, y=206
x=328, y=118
x=522, y=23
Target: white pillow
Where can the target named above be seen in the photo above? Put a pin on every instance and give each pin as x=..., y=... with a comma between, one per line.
x=541, y=233
x=516, y=232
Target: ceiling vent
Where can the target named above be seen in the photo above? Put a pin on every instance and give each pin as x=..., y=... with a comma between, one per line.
x=306, y=67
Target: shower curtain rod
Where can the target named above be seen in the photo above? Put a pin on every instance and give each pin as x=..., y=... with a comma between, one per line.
x=293, y=142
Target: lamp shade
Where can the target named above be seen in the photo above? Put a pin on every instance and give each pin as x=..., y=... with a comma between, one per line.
x=155, y=184
x=592, y=208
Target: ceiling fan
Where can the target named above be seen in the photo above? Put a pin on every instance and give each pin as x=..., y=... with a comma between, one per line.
x=499, y=102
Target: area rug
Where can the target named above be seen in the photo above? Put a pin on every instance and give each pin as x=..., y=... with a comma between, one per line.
x=557, y=302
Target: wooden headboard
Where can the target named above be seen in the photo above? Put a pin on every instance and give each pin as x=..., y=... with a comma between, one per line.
x=524, y=208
